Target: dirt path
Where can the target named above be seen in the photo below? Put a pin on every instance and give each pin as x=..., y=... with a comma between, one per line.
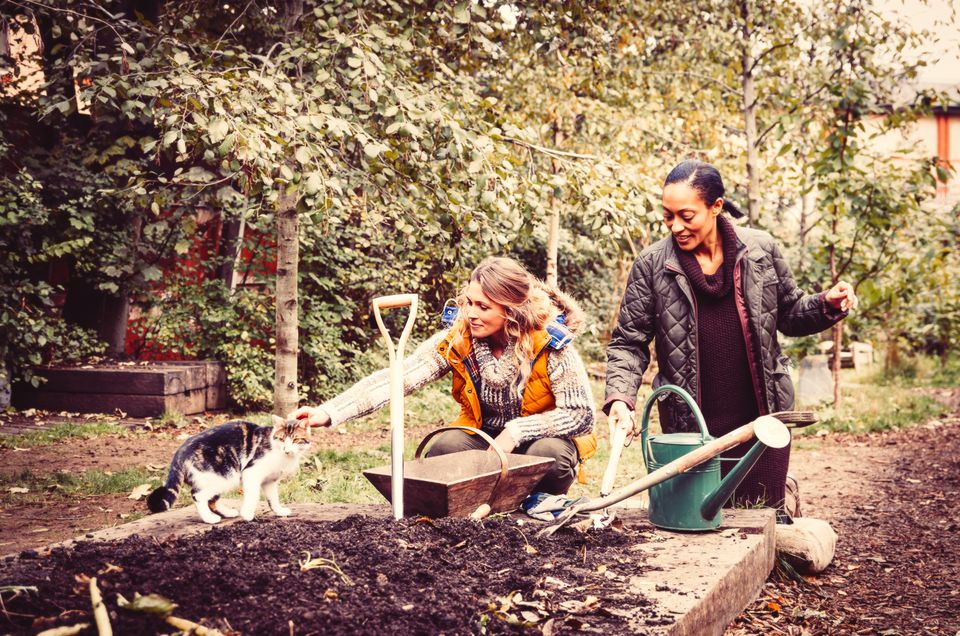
x=894, y=500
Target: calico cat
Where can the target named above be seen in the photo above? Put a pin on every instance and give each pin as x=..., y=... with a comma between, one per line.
x=231, y=455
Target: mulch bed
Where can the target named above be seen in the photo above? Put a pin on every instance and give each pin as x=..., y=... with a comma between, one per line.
x=896, y=566
x=370, y=576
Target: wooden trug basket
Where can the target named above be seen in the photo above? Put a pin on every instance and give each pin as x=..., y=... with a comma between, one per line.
x=456, y=484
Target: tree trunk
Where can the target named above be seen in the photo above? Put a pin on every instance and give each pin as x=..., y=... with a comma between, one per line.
x=553, y=235
x=231, y=241
x=288, y=255
x=749, y=107
x=806, y=205
x=837, y=328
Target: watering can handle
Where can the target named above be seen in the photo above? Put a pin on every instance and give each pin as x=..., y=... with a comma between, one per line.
x=645, y=421
x=484, y=509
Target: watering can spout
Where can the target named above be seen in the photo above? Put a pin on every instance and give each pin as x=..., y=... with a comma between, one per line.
x=770, y=432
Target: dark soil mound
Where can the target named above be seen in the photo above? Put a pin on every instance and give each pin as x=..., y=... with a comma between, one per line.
x=371, y=576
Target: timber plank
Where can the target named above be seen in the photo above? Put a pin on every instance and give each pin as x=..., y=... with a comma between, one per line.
x=186, y=403
x=146, y=380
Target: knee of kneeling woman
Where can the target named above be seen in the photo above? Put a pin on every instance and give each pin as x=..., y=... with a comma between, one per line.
x=560, y=477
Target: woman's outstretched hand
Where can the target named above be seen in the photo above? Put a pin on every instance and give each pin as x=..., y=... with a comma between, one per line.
x=841, y=296
x=505, y=441
x=314, y=416
x=620, y=416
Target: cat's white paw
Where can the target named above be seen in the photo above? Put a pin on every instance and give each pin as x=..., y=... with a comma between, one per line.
x=282, y=511
x=248, y=514
x=210, y=518
x=227, y=512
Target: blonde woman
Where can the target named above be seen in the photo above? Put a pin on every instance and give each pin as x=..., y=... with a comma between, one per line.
x=510, y=381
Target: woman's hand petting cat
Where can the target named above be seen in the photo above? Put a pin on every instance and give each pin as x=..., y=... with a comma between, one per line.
x=314, y=416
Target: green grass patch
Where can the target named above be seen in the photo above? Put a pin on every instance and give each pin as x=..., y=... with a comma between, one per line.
x=880, y=403
x=62, y=432
x=91, y=482
x=332, y=476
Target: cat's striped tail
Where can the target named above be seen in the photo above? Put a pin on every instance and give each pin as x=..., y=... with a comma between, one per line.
x=166, y=495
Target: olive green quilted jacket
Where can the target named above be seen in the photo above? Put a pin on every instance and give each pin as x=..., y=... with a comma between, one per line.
x=658, y=307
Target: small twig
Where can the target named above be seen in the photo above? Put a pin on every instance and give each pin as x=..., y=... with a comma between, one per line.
x=100, y=615
x=69, y=630
x=529, y=548
x=309, y=563
x=190, y=627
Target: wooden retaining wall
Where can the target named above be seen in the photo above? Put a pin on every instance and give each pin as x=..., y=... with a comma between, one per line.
x=146, y=390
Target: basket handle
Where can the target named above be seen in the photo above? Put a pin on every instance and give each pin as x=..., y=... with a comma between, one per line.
x=484, y=509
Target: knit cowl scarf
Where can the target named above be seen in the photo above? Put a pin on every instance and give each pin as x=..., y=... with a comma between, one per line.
x=720, y=283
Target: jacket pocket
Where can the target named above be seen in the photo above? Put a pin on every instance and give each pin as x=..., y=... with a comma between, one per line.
x=783, y=384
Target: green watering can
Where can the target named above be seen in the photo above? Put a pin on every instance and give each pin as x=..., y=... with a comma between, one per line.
x=682, y=497
x=692, y=500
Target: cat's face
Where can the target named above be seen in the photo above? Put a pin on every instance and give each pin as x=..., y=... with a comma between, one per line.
x=292, y=436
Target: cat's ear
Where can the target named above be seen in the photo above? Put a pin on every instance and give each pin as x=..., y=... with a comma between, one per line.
x=278, y=421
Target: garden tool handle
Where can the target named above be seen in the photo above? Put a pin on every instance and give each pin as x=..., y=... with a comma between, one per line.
x=796, y=419
x=484, y=509
x=396, y=390
x=617, y=443
x=394, y=301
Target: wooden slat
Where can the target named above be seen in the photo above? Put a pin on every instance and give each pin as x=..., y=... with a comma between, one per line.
x=187, y=403
x=146, y=380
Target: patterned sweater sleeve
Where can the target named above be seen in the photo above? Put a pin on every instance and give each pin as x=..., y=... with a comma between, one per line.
x=420, y=368
x=574, y=414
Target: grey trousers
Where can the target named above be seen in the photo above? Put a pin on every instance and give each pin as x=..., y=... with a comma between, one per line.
x=564, y=452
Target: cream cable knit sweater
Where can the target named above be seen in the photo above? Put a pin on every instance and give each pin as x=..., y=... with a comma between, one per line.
x=499, y=399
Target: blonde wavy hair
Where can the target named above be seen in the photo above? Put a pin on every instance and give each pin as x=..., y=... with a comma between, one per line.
x=529, y=305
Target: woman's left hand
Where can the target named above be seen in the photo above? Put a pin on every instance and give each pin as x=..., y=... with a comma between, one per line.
x=841, y=296
x=505, y=441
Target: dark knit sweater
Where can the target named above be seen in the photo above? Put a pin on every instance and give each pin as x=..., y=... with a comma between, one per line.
x=727, y=397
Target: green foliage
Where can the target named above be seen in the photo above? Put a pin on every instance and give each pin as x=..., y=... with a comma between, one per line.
x=420, y=137
x=31, y=333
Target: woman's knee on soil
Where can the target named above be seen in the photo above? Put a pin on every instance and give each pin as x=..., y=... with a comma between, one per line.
x=453, y=442
x=560, y=477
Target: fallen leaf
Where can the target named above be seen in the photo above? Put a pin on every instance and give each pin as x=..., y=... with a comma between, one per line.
x=601, y=569
x=140, y=492
x=147, y=603
x=529, y=549
x=773, y=607
x=530, y=617
x=18, y=490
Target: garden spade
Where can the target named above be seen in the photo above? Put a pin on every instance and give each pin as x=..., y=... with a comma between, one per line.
x=396, y=390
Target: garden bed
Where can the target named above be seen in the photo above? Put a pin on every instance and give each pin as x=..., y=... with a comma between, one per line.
x=142, y=389
x=370, y=575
